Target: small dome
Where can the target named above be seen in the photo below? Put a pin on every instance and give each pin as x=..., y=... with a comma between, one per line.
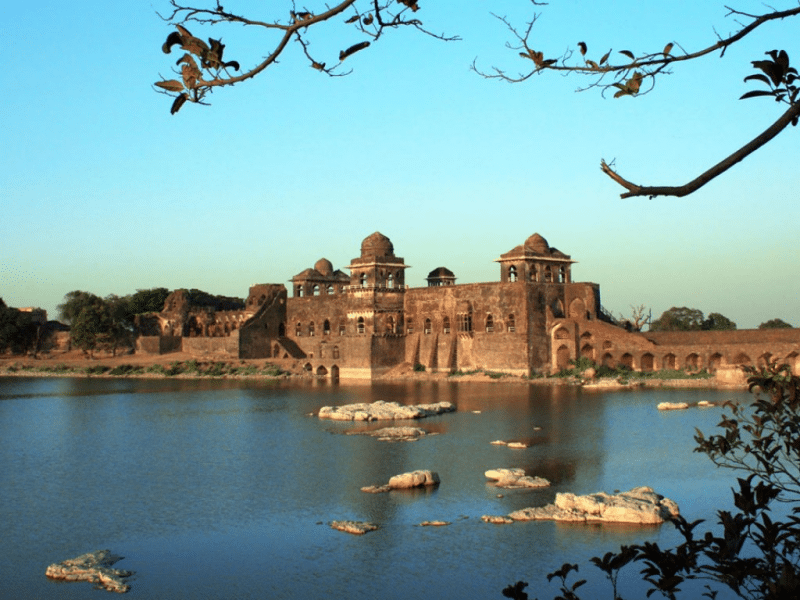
x=538, y=244
x=440, y=272
x=377, y=244
x=324, y=266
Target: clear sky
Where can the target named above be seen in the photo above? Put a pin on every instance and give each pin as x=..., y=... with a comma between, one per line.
x=103, y=190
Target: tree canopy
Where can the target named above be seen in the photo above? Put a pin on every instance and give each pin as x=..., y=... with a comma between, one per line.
x=775, y=324
x=359, y=24
x=17, y=332
x=690, y=319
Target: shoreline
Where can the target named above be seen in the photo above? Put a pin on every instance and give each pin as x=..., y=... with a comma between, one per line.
x=74, y=364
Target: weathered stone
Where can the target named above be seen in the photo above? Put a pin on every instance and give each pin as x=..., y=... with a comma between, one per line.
x=394, y=434
x=94, y=567
x=376, y=489
x=515, y=478
x=414, y=479
x=517, y=445
x=497, y=519
x=640, y=505
x=380, y=410
x=354, y=527
x=498, y=443
x=672, y=406
x=434, y=523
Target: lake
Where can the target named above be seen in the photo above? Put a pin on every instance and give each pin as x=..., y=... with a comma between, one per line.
x=226, y=488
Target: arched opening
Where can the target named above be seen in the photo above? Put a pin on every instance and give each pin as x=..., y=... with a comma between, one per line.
x=587, y=351
x=299, y=291
x=558, y=309
x=360, y=325
x=427, y=326
x=390, y=325
x=626, y=360
x=562, y=333
x=562, y=275
x=489, y=324
x=692, y=361
x=321, y=371
x=342, y=329
x=510, y=324
x=390, y=281
x=298, y=330
x=363, y=280
x=562, y=357
x=742, y=359
x=669, y=362
x=577, y=309
x=648, y=361
x=410, y=325
x=315, y=290
x=307, y=368
x=548, y=274
x=326, y=327
x=334, y=373
x=446, y=325
x=336, y=352
x=281, y=329
x=311, y=329
x=608, y=360
x=714, y=362
x=512, y=273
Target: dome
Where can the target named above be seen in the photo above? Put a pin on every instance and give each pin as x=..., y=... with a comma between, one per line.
x=440, y=273
x=538, y=244
x=324, y=266
x=377, y=244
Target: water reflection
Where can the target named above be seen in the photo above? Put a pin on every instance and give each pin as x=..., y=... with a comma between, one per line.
x=211, y=486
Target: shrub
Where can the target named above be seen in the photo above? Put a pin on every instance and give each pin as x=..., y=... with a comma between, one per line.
x=418, y=367
x=97, y=369
x=754, y=552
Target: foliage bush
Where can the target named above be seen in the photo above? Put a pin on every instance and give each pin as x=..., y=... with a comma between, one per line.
x=97, y=369
x=754, y=552
x=418, y=367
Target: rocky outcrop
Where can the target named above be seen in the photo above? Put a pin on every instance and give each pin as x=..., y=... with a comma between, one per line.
x=673, y=406
x=515, y=479
x=354, y=527
x=394, y=434
x=409, y=480
x=94, y=567
x=640, y=505
x=380, y=410
x=497, y=519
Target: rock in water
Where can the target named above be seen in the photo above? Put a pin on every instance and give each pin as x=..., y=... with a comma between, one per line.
x=354, y=527
x=640, y=505
x=405, y=481
x=515, y=478
x=380, y=410
x=673, y=406
x=94, y=567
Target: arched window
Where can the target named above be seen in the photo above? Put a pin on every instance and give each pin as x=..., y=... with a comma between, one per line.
x=342, y=329
x=410, y=325
x=390, y=325
x=315, y=290
x=311, y=329
x=360, y=325
x=298, y=330
x=335, y=352
x=562, y=275
x=512, y=273
x=299, y=291
x=326, y=327
x=330, y=290
x=427, y=326
x=465, y=322
x=510, y=324
x=489, y=324
x=548, y=274
x=390, y=281
x=363, y=280
x=446, y=325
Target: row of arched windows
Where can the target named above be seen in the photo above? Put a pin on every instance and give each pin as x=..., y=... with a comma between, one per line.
x=316, y=290
x=464, y=324
x=311, y=329
x=549, y=275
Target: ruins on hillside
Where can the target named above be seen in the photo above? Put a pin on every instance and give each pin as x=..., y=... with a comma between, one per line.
x=535, y=318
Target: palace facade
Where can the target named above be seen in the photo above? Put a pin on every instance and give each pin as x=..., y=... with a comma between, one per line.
x=362, y=324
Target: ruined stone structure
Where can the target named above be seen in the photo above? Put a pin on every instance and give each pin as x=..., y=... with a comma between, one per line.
x=535, y=318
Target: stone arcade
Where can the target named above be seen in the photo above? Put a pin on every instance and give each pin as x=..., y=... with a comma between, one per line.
x=535, y=318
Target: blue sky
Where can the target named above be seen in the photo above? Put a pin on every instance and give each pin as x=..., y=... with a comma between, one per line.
x=103, y=190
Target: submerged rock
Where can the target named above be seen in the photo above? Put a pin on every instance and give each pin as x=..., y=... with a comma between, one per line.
x=413, y=479
x=394, y=434
x=434, y=523
x=515, y=478
x=94, y=567
x=380, y=410
x=354, y=527
x=640, y=505
x=497, y=519
x=673, y=405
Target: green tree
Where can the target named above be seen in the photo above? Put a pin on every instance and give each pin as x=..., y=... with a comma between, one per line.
x=679, y=319
x=17, y=332
x=775, y=324
x=74, y=303
x=146, y=301
x=718, y=322
x=624, y=73
x=92, y=327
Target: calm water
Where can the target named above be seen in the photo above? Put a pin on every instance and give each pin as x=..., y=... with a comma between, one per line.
x=224, y=489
